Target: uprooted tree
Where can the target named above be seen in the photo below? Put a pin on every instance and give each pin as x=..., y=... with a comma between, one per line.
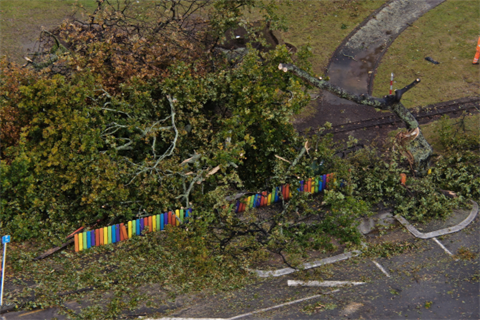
x=120, y=118
x=135, y=112
x=418, y=148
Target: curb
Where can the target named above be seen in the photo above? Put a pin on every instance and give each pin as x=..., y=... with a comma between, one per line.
x=352, y=33
x=305, y=266
x=384, y=50
x=441, y=232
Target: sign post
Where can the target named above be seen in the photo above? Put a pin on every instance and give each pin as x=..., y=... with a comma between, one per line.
x=5, y=240
x=391, y=84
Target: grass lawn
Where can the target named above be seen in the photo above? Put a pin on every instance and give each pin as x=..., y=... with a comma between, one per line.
x=323, y=24
x=466, y=127
x=447, y=34
x=22, y=20
x=149, y=271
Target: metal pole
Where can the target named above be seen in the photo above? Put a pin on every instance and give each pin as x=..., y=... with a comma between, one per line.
x=3, y=272
x=391, y=83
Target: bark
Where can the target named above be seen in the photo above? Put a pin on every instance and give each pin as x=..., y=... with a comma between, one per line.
x=419, y=147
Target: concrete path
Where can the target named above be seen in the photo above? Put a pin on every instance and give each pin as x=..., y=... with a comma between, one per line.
x=354, y=63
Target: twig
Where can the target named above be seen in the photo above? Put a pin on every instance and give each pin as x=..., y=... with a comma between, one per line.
x=53, y=250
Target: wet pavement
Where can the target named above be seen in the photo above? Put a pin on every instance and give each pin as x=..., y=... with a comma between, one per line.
x=423, y=282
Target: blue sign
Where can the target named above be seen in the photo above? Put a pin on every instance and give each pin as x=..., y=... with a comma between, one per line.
x=5, y=239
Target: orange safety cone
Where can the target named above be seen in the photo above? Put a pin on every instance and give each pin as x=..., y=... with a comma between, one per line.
x=477, y=54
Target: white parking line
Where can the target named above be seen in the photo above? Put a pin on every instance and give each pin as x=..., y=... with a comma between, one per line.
x=379, y=266
x=282, y=305
x=294, y=283
x=443, y=247
x=253, y=312
x=305, y=266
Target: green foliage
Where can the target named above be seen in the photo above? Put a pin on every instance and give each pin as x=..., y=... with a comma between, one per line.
x=107, y=142
x=377, y=180
x=113, y=141
x=457, y=168
x=342, y=219
x=454, y=135
x=387, y=249
x=17, y=195
x=90, y=154
x=123, y=276
x=136, y=126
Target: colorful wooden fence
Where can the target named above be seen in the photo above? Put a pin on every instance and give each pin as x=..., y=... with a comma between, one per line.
x=265, y=198
x=125, y=231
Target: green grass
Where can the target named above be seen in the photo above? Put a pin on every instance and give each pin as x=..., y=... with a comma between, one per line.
x=447, y=34
x=465, y=128
x=21, y=22
x=323, y=24
x=143, y=271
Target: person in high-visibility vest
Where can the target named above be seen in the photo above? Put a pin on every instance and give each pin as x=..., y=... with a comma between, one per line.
x=477, y=55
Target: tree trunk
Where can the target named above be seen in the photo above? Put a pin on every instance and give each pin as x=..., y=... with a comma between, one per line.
x=419, y=148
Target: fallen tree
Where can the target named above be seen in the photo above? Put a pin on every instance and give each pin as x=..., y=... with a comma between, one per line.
x=417, y=147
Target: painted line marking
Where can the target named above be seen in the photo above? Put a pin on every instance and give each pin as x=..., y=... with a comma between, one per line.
x=379, y=266
x=253, y=312
x=282, y=305
x=443, y=247
x=428, y=235
x=294, y=283
x=305, y=266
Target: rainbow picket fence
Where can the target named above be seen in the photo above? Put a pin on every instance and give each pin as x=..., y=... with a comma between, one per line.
x=312, y=185
x=125, y=231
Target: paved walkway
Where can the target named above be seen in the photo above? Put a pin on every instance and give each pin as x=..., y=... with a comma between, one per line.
x=425, y=282
x=354, y=63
